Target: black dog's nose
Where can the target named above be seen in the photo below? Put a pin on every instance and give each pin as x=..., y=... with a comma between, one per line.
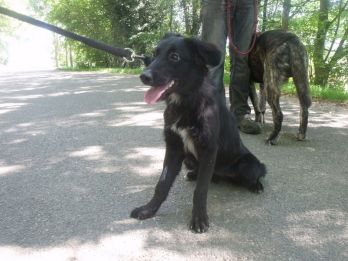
x=146, y=77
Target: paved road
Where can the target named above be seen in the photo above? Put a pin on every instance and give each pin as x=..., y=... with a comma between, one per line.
x=80, y=150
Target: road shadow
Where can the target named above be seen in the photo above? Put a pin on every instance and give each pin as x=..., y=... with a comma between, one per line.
x=80, y=150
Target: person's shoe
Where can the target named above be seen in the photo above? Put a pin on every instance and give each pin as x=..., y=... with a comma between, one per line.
x=248, y=126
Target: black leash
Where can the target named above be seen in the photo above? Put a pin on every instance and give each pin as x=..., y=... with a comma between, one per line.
x=127, y=54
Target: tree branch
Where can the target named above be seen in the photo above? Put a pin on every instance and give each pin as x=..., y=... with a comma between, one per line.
x=335, y=35
x=297, y=8
x=341, y=9
x=341, y=51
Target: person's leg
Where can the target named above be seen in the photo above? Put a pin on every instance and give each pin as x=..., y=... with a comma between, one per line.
x=242, y=24
x=214, y=30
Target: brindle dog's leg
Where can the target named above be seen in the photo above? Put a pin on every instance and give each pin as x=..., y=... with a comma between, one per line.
x=259, y=102
x=299, y=69
x=300, y=78
x=262, y=102
x=272, y=80
x=273, y=100
x=255, y=101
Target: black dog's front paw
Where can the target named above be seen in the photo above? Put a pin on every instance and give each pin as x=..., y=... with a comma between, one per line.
x=142, y=213
x=199, y=223
x=257, y=187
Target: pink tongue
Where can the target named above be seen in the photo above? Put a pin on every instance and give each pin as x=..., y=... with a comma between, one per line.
x=154, y=94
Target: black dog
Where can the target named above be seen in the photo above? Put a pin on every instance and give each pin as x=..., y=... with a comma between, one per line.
x=198, y=126
x=277, y=56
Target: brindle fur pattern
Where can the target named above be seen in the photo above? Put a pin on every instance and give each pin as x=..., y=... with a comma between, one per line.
x=278, y=55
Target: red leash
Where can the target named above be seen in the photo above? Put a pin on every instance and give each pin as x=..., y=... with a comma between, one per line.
x=229, y=28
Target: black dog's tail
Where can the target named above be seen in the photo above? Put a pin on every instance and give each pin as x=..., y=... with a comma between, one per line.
x=299, y=68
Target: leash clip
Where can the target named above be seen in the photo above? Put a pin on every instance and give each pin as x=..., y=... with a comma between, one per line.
x=131, y=57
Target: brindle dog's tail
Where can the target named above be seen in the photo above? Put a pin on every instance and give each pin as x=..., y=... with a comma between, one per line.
x=299, y=68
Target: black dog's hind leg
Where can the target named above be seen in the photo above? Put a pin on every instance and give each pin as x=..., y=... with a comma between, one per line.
x=192, y=167
x=171, y=168
x=199, y=221
x=247, y=171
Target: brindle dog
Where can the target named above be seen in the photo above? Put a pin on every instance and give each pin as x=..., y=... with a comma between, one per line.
x=278, y=55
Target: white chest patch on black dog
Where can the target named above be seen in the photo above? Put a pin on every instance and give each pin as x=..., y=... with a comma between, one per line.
x=174, y=98
x=186, y=140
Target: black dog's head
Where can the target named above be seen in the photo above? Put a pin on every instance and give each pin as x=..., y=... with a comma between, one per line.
x=177, y=60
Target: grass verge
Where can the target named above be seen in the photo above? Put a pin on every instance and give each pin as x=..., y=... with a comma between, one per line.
x=329, y=93
x=133, y=71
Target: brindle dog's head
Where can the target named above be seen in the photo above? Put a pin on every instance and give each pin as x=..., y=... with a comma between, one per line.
x=176, y=61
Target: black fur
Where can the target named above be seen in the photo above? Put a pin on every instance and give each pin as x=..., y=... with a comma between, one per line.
x=277, y=56
x=198, y=128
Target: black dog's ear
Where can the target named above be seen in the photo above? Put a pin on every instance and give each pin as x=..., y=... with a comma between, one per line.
x=170, y=34
x=204, y=52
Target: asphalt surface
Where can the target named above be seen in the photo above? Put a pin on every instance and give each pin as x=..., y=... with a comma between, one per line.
x=80, y=150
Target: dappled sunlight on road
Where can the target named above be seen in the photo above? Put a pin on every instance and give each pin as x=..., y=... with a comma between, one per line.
x=331, y=116
x=310, y=228
x=10, y=106
x=148, y=160
x=329, y=119
x=6, y=169
x=89, y=153
x=146, y=119
x=136, y=114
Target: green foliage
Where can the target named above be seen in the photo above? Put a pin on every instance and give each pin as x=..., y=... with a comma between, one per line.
x=139, y=24
x=227, y=68
x=3, y=20
x=135, y=24
x=5, y=30
x=333, y=93
x=86, y=18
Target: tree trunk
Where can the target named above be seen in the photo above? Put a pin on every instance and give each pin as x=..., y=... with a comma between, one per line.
x=319, y=44
x=185, y=8
x=264, y=16
x=322, y=75
x=171, y=16
x=71, y=56
x=192, y=16
x=286, y=12
x=56, y=49
x=196, y=17
x=66, y=56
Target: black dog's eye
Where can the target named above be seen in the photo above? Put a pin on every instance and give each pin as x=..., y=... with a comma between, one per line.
x=174, y=57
